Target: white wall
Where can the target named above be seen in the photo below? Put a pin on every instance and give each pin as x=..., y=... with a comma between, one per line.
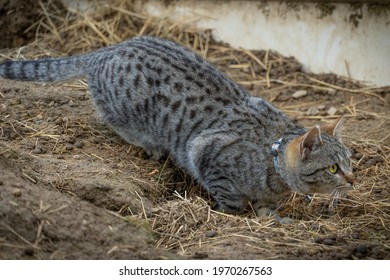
x=322, y=40
x=347, y=40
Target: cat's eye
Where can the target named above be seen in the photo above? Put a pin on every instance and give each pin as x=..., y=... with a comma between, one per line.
x=333, y=168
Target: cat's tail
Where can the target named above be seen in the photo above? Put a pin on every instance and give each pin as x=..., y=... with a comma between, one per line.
x=44, y=70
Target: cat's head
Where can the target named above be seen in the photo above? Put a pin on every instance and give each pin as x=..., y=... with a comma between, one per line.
x=318, y=161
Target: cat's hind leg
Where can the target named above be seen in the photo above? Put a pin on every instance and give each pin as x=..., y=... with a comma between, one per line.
x=155, y=153
x=151, y=150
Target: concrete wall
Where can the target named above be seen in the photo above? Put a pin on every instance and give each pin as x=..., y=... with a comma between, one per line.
x=348, y=39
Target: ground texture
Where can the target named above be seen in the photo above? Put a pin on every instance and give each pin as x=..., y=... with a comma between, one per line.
x=71, y=189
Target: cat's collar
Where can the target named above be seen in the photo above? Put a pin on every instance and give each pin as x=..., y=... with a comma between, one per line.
x=275, y=148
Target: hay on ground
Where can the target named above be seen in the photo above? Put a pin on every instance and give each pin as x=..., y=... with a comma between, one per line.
x=184, y=221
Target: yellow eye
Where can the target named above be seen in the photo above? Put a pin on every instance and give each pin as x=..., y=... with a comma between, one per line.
x=333, y=168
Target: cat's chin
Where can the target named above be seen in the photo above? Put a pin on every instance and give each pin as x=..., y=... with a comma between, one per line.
x=343, y=189
x=312, y=189
x=333, y=190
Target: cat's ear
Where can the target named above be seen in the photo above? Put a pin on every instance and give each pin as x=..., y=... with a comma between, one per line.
x=333, y=128
x=301, y=147
x=309, y=141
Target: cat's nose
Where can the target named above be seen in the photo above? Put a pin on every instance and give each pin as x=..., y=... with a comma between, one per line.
x=349, y=178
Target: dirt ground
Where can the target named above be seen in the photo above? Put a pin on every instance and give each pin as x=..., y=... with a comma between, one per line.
x=72, y=189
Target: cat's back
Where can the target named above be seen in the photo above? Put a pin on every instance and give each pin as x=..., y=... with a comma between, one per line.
x=153, y=76
x=155, y=62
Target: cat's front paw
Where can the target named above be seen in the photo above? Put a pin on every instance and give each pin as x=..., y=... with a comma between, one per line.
x=219, y=207
x=284, y=220
x=269, y=212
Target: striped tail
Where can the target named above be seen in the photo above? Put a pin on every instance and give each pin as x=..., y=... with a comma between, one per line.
x=44, y=70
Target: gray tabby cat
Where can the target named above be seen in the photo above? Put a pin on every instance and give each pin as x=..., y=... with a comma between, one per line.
x=165, y=98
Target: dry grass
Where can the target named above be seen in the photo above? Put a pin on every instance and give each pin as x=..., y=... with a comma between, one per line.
x=185, y=222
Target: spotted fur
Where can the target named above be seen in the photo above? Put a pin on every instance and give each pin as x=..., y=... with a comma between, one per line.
x=165, y=98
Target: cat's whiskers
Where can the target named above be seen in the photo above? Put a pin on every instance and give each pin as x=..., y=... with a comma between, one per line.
x=335, y=199
x=336, y=194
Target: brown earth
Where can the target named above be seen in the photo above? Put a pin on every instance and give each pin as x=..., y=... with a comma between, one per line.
x=71, y=189
x=17, y=18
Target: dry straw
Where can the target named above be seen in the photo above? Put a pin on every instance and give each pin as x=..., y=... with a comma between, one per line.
x=184, y=222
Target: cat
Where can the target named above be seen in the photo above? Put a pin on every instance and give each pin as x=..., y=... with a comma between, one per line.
x=167, y=99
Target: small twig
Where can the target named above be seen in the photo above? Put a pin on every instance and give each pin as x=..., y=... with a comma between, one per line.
x=19, y=236
x=52, y=28
x=142, y=205
x=251, y=55
x=28, y=177
x=162, y=169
